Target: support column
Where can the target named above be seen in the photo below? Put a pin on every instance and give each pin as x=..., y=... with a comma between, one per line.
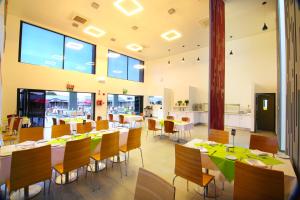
x=216, y=64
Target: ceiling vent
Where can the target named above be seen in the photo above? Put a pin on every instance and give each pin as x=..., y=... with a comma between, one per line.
x=79, y=19
x=95, y=5
x=204, y=23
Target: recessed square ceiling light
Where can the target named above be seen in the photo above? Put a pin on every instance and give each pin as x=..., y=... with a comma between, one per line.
x=93, y=31
x=171, y=35
x=129, y=7
x=134, y=47
x=74, y=45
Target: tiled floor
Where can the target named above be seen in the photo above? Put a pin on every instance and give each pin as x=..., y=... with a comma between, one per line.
x=158, y=158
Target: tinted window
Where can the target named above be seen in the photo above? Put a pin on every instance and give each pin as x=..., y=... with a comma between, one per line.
x=135, y=70
x=117, y=65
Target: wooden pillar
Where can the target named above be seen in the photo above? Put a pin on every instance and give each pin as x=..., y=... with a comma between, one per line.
x=216, y=64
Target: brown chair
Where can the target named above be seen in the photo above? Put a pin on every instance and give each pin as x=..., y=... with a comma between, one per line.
x=13, y=134
x=122, y=121
x=169, y=117
x=99, y=118
x=88, y=116
x=133, y=142
x=17, y=124
x=254, y=183
x=84, y=127
x=60, y=130
x=62, y=121
x=185, y=119
x=77, y=155
x=29, y=167
x=102, y=125
x=151, y=187
x=109, y=148
x=111, y=119
x=264, y=143
x=152, y=126
x=54, y=121
x=188, y=165
x=140, y=121
x=32, y=134
x=218, y=136
x=169, y=127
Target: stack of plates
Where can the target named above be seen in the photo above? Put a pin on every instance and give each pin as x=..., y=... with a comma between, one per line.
x=256, y=163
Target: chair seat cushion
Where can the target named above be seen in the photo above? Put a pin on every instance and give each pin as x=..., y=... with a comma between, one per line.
x=207, y=179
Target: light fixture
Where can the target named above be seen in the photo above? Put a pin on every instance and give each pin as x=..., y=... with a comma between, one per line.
x=169, y=61
x=113, y=55
x=117, y=71
x=171, y=35
x=198, y=59
x=139, y=66
x=134, y=47
x=231, y=52
x=128, y=7
x=94, y=31
x=74, y=45
x=101, y=79
x=265, y=27
x=182, y=60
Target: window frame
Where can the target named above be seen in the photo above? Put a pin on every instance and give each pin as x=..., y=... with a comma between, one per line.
x=94, y=53
x=127, y=65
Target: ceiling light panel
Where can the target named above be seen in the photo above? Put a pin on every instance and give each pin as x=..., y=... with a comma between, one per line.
x=129, y=7
x=134, y=47
x=171, y=35
x=94, y=31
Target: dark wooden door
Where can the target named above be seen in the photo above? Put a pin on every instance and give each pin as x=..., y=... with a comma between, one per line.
x=265, y=112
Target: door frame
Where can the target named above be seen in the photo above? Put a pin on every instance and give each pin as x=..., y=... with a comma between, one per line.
x=256, y=108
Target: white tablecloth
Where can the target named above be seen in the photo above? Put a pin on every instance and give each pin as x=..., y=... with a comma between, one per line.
x=182, y=126
x=57, y=154
x=73, y=125
x=128, y=118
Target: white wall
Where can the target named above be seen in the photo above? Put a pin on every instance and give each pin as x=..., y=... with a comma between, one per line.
x=254, y=63
x=19, y=75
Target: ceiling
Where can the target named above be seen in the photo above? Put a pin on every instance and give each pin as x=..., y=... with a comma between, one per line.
x=243, y=18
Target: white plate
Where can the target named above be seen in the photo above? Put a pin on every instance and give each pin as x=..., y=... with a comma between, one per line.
x=42, y=141
x=230, y=157
x=256, y=163
x=211, y=143
x=229, y=145
x=65, y=136
x=283, y=156
x=259, y=153
x=202, y=149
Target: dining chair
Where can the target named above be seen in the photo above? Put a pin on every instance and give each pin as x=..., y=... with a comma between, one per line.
x=31, y=134
x=99, y=118
x=17, y=125
x=219, y=136
x=77, y=155
x=54, y=121
x=152, y=126
x=264, y=143
x=188, y=165
x=169, y=117
x=60, y=130
x=62, y=121
x=88, y=116
x=111, y=119
x=29, y=167
x=10, y=125
x=169, y=128
x=13, y=134
x=255, y=183
x=188, y=120
x=109, y=149
x=122, y=121
x=84, y=127
x=102, y=125
x=140, y=121
x=133, y=142
x=149, y=186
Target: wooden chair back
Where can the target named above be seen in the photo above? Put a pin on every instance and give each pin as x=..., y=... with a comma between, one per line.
x=11, y=115
x=152, y=187
x=151, y=125
x=185, y=119
x=54, y=121
x=264, y=143
x=169, y=117
x=111, y=117
x=254, y=183
x=77, y=154
x=121, y=119
x=11, y=122
x=99, y=118
x=30, y=166
x=102, y=125
x=88, y=116
x=188, y=164
x=218, y=136
x=60, y=130
x=62, y=121
x=32, y=134
x=109, y=145
x=134, y=138
x=168, y=126
x=17, y=124
x=84, y=127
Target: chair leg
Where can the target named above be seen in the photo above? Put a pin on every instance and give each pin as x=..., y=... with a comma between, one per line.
x=216, y=188
x=49, y=186
x=174, y=180
x=121, y=168
x=141, y=157
x=126, y=164
x=5, y=191
x=44, y=187
x=86, y=171
x=106, y=165
x=187, y=185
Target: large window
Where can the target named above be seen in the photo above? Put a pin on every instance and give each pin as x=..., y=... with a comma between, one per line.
x=124, y=67
x=125, y=104
x=42, y=47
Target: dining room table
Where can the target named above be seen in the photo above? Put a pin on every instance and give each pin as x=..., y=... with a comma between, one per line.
x=57, y=148
x=74, y=121
x=222, y=157
x=129, y=118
